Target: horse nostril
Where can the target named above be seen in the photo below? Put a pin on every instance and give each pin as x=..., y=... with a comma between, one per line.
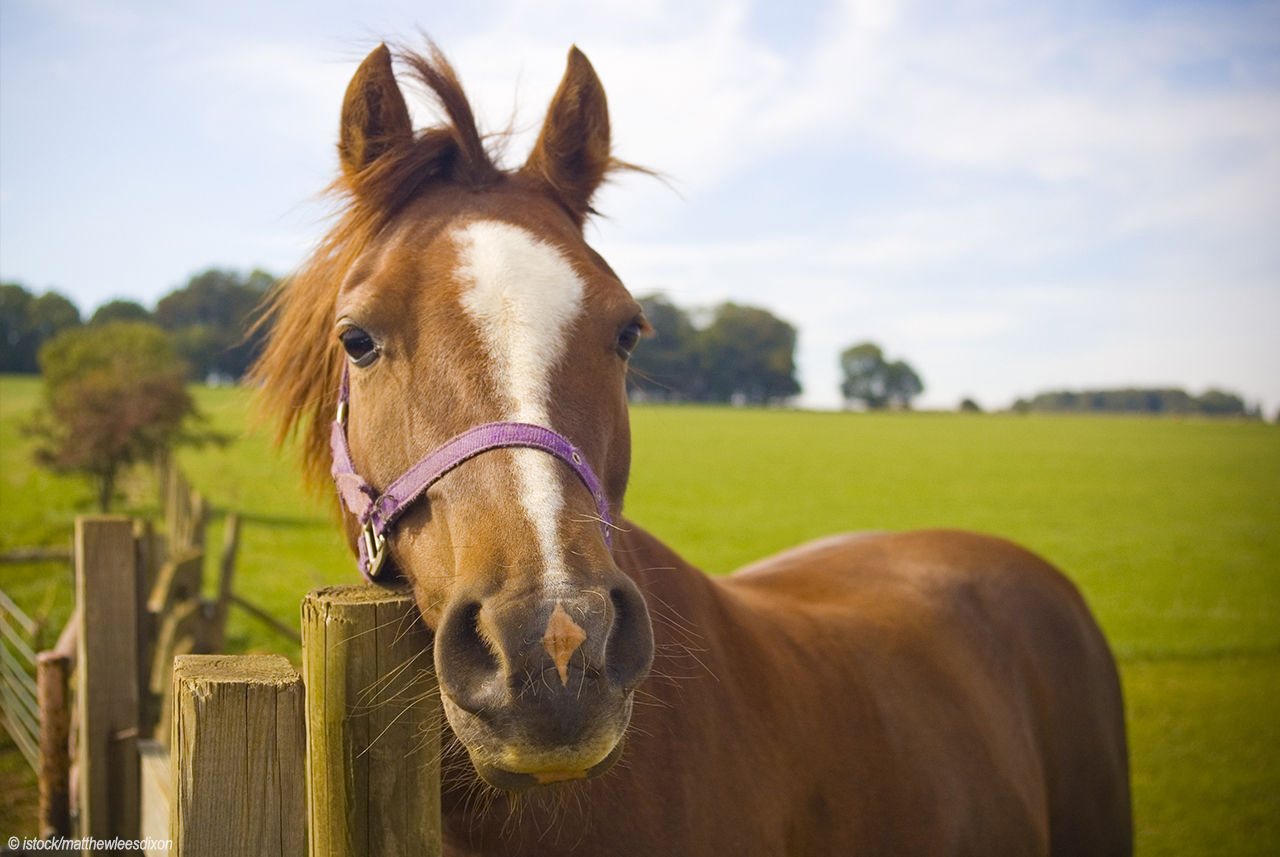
x=465, y=660
x=630, y=651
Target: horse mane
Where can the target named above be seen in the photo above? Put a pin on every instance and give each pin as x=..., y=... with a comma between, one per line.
x=300, y=369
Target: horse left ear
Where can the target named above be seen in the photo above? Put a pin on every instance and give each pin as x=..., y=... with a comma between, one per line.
x=374, y=115
x=572, y=153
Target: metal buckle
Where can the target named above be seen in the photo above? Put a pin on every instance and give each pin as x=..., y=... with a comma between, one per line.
x=375, y=548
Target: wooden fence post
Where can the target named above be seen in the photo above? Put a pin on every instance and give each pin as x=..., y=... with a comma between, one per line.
x=152, y=551
x=373, y=724
x=178, y=623
x=226, y=571
x=237, y=757
x=52, y=671
x=107, y=676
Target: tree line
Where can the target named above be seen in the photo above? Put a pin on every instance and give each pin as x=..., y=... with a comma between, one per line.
x=209, y=321
x=741, y=354
x=1133, y=400
x=732, y=353
x=746, y=355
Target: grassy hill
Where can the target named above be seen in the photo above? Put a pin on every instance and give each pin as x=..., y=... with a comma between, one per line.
x=1171, y=528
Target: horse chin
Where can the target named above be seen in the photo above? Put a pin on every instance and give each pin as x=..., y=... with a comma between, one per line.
x=513, y=781
x=519, y=765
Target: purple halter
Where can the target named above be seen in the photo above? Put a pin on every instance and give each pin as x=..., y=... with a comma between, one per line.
x=377, y=513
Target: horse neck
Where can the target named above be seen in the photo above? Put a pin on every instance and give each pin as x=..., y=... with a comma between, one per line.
x=688, y=607
x=647, y=559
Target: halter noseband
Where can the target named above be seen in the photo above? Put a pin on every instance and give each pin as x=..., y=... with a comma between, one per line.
x=377, y=513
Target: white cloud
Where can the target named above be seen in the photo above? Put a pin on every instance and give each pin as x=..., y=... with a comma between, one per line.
x=961, y=325
x=1007, y=195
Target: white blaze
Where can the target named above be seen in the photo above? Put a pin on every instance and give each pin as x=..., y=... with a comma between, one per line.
x=524, y=297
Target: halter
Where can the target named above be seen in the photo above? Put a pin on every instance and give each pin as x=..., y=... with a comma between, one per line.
x=377, y=513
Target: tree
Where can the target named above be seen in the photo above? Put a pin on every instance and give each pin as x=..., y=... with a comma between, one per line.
x=665, y=366
x=747, y=355
x=120, y=310
x=1219, y=403
x=211, y=319
x=870, y=379
x=27, y=321
x=16, y=352
x=115, y=395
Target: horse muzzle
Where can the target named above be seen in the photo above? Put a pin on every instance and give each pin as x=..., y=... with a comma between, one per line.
x=540, y=690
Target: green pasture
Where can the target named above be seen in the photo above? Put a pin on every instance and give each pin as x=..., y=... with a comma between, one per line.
x=1170, y=527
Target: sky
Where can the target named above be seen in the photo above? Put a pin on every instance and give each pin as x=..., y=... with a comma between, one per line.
x=1012, y=196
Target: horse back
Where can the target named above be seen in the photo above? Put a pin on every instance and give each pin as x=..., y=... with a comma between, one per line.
x=963, y=673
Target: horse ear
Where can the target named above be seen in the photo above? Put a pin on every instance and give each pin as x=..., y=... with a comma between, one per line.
x=572, y=153
x=374, y=115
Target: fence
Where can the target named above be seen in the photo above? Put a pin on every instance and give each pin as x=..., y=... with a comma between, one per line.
x=20, y=712
x=221, y=754
x=350, y=766
x=138, y=606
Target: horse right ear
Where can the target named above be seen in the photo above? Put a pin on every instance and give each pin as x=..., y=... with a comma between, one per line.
x=571, y=156
x=374, y=115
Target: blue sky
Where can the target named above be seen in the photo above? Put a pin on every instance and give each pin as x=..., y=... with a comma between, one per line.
x=1012, y=196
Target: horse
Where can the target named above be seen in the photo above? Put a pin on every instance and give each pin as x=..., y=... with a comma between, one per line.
x=455, y=356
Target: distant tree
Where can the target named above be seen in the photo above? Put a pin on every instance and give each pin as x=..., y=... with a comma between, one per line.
x=1219, y=403
x=969, y=406
x=51, y=314
x=747, y=355
x=27, y=321
x=115, y=395
x=665, y=366
x=875, y=382
x=16, y=351
x=1136, y=400
x=119, y=310
x=211, y=319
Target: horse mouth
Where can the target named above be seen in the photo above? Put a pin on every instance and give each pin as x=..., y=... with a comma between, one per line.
x=514, y=781
x=518, y=764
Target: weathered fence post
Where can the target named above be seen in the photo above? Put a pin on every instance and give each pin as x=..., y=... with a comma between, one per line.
x=237, y=757
x=107, y=676
x=373, y=725
x=52, y=671
x=152, y=551
x=227, y=569
x=179, y=627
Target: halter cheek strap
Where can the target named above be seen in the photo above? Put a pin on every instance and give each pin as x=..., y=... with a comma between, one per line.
x=377, y=513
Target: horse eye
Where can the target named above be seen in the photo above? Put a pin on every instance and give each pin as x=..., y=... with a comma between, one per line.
x=359, y=346
x=628, y=339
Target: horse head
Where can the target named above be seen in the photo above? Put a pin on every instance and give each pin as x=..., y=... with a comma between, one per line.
x=452, y=296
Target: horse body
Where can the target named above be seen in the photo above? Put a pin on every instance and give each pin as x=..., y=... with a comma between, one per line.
x=923, y=693
x=920, y=693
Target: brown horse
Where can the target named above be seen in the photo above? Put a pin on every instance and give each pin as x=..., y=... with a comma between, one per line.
x=921, y=693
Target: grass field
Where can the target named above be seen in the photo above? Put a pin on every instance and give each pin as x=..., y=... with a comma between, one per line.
x=1170, y=527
